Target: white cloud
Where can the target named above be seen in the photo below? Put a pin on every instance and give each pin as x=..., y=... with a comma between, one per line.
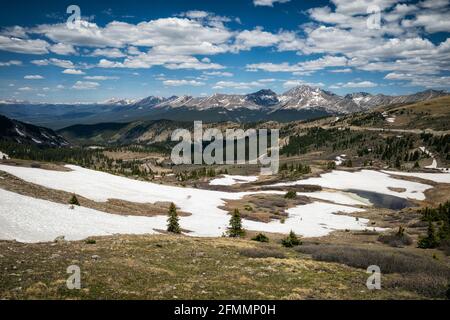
x=66, y=64
x=239, y=85
x=268, y=3
x=150, y=59
x=295, y=83
x=345, y=70
x=85, y=85
x=11, y=63
x=63, y=49
x=355, y=7
x=73, y=72
x=33, y=77
x=305, y=67
x=428, y=81
x=360, y=84
x=177, y=83
x=25, y=89
x=257, y=37
x=101, y=78
x=218, y=74
x=109, y=53
x=28, y=46
x=195, y=14
x=431, y=21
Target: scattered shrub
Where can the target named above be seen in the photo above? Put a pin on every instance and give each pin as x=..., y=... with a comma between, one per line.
x=74, y=201
x=262, y=253
x=398, y=239
x=90, y=241
x=291, y=195
x=291, y=240
x=425, y=284
x=389, y=260
x=331, y=165
x=260, y=237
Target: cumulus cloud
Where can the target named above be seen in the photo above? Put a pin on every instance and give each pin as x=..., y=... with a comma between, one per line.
x=268, y=3
x=11, y=63
x=101, y=78
x=63, y=49
x=218, y=74
x=85, y=85
x=108, y=52
x=33, y=77
x=240, y=85
x=73, y=72
x=306, y=67
x=177, y=83
x=359, y=84
x=150, y=59
x=18, y=45
x=66, y=64
x=294, y=83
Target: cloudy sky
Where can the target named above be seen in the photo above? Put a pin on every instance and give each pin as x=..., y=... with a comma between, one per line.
x=133, y=49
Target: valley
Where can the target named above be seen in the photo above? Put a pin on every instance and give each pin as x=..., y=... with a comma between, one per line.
x=355, y=187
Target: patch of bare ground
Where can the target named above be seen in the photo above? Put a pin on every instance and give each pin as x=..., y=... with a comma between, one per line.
x=114, y=206
x=399, y=190
x=264, y=207
x=171, y=267
x=439, y=194
x=35, y=164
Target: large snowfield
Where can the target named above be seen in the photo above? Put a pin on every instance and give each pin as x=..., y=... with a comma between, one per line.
x=33, y=220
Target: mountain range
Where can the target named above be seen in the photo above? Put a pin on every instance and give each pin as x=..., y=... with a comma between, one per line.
x=299, y=103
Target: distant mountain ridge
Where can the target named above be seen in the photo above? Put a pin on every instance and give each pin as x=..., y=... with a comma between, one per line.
x=297, y=98
x=299, y=103
x=13, y=130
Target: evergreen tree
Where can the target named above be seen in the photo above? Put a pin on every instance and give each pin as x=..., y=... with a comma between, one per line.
x=173, y=225
x=235, y=230
x=290, y=195
x=431, y=240
x=291, y=240
x=260, y=237
x=74, y=201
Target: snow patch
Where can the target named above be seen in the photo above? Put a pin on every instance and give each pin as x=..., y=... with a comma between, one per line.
x=229, y=180
x=435, y=177
x=313, y=220
x=3, y=156
x=27, y=219
x=367, y=180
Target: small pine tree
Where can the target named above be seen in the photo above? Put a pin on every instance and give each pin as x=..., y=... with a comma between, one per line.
x=261, y=237
x=290, y=195
x=74, y=201
x=235, y=230
x=291, y=240
x=173, y=225
x=431, y=240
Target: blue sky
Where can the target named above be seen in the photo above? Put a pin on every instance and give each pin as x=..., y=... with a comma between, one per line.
x=133, y=49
